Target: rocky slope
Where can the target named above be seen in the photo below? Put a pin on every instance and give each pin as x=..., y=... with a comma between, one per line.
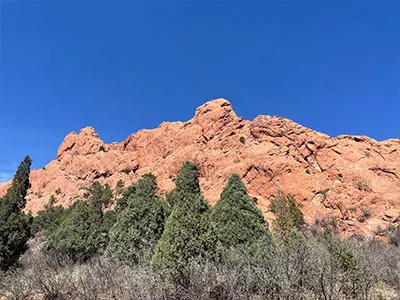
x=329, y=176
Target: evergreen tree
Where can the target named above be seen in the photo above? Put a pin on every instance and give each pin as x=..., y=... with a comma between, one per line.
x=99, y=196
x=235, y=219
x=139, y=226
x=83, y=230
x=187, y=182
x=79, y=234
x=187, y=234
x=122, y=202
x=16, y=193
x=14, y=223
x=47, y=218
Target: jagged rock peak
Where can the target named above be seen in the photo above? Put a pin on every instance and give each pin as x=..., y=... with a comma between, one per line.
x=213, y=115
x=218, y=106
x=330, y=176
x=86, y=142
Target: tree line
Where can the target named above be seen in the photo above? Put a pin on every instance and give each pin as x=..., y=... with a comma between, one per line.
x=179, y=240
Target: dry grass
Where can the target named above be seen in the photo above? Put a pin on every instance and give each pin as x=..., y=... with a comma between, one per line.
x=301, y=268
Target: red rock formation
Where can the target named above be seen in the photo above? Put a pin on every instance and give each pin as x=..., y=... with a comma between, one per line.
x=329, y=176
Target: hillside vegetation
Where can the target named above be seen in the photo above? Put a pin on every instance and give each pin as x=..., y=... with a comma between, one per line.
x=130, y=243
x=354, y=179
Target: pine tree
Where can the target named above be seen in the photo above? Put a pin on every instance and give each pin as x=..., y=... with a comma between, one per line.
x=235, y=219
x=139, y=226
x=14, y=223
x=187, y=234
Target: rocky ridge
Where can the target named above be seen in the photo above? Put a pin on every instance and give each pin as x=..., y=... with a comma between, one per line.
x=340, y=177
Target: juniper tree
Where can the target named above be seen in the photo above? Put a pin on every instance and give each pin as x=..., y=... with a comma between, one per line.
x=79, y=235
x=82, y=231
x=236, y=221
x=47, y=218
x=187, y=234
x=99, y=196
x=14, y=223
x=139, y=226
x=16, y=193
x=122, y=202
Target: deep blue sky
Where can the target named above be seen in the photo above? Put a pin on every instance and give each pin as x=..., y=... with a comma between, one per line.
x=333, y=66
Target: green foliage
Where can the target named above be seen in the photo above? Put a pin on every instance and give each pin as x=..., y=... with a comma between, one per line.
x=341, y=256
x=16, y=193
x=288, y=214
x=187, y=181
x=14, y=234
x=99, y=196
x=187, y=234
x=109, y=218
x=119, y=188
x=139, y=226
x=83, y=228
x=235, y=219
x=80, y=233
x=170, y=198
x=242, y=140
x=14, y=223
x=47, y=218
x=122, y=202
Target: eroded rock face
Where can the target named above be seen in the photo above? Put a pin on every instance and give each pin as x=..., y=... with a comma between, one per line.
x=329, y=176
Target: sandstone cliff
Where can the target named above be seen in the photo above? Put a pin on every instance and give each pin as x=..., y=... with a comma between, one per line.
x=329, y=176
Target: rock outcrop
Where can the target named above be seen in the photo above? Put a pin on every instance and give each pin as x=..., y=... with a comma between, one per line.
x=337, y=177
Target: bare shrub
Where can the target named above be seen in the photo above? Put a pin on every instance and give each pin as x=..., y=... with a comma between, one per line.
x=13, y=286
x=394, y=234
x=301, y=266
x=366, y=212
x=364, y=187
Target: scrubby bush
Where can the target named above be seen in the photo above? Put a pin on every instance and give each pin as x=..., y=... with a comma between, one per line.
x=364, y=187
x=295, y=263
x=305, y=270
x=394, y=234
x=366, y=212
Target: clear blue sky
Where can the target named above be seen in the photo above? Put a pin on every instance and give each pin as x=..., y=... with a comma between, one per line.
x=333, y=66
